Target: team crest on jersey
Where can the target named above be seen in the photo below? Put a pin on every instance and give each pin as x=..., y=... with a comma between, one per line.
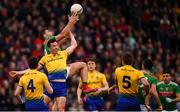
x=167, y=89
x=97, y=77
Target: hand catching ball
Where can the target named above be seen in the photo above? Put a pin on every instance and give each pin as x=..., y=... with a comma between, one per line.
x=76, y=9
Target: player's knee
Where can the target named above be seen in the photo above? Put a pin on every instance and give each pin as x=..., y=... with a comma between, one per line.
x=61, y=107
x=83, y=64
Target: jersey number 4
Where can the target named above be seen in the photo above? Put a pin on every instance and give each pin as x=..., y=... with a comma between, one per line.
x=126, y=82
x=31, y=85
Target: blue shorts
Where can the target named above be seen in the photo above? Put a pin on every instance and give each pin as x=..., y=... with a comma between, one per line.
x=36, y=105
x=93, y=103
x=59, y=90
x=128, y=103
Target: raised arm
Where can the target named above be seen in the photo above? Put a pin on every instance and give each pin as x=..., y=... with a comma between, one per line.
x=73, y=45
x=72, y=21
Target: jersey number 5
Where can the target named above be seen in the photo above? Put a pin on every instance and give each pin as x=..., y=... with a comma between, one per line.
x=126, y=82
x=31, y=85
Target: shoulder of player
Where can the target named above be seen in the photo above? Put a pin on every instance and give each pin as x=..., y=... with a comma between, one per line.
x=22, y=78
x=36, y=72
x=62, y=51
x=52, y=37
x=40, y=73
x=173, y=83
x=45, y=56
x=99, y=73
x=119, y=68
x=159, y=83
x=150, y=76
x=125, y=68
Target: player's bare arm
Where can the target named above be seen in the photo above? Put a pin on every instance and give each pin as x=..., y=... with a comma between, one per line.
x=73, y=45
x=79, y=93
x=177, y=99
x=17, y=93
x=72, y=21
x=20, y=73
x=48, y=88
x=113, y=87
x=146, y=85
x=104, y=88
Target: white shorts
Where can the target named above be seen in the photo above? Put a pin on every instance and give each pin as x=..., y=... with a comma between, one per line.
x=68, y=71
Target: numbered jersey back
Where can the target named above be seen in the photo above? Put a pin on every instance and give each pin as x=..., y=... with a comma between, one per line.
x=127, y=79
x=33, y=84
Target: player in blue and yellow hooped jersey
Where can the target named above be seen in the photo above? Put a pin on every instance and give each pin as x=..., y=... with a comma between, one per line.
x=127, y=79
x=55, y=64
x=33, y=83
x=74, y=68
x=96, y=80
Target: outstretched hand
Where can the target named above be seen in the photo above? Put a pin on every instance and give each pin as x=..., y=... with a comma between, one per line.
x=80, y=101
x=73, y=18
x=12, y=73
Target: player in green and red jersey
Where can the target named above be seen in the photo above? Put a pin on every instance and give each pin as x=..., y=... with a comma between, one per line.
x=144, y=101
x=169, y=93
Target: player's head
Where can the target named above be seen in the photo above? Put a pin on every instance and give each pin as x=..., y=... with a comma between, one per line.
x=46, y=33
x=127, y=58
x=33, y=62
x=91, y=63
x=167, y=78
x=53, y=46
x=147, y=64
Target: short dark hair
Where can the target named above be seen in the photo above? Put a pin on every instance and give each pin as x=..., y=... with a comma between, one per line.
x=51, y=41
x=128, y=58
x=42, y=32
x=33, y=62
x=91, y=59
x=171, y=75
x=148, y=64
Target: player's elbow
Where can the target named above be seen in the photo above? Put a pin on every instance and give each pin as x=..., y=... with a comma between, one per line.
x=106, y=87
x=146, y=85
x=16, y=94
x=75, y=45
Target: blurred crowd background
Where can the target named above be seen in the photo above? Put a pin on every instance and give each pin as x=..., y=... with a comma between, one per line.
x=148, y=28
